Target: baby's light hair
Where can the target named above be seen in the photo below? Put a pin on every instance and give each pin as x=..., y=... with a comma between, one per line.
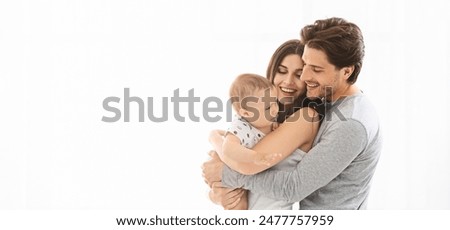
x=246, y=85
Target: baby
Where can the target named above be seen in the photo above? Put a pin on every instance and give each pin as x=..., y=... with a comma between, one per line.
x=254, y=101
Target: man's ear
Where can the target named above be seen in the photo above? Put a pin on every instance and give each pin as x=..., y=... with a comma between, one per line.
x=347, y=71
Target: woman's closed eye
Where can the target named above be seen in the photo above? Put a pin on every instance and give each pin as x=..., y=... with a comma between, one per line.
x=282, y=70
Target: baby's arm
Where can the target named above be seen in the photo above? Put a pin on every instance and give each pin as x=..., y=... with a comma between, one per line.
x=231, y=152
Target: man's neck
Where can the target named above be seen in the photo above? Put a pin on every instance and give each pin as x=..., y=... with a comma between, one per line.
x=345, y=92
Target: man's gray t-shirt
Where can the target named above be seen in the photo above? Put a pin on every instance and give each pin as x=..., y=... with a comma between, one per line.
x=249, y=136
x=337, y=172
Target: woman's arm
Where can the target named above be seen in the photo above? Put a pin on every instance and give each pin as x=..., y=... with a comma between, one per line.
x=298, y=131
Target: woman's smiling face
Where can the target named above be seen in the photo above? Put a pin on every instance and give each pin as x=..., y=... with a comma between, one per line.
x=287, y=79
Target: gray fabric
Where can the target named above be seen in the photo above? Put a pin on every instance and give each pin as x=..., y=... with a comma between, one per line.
x=337, y=171
x=260, y=201
x=249, y=136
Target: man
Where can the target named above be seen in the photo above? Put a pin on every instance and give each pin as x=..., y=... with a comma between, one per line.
x=337, y=172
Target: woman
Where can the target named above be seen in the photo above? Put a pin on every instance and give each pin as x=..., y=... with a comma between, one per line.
x=284, y=71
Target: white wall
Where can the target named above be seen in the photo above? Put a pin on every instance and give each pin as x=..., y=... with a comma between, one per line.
x=60, y=59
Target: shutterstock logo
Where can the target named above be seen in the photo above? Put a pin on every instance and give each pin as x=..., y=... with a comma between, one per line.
x=211, y=108
x=209, y=105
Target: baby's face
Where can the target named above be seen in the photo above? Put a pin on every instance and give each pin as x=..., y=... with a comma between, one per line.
x=263, y=108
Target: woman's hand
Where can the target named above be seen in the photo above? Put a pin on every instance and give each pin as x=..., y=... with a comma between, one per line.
x=268, y=159
x=275, y=125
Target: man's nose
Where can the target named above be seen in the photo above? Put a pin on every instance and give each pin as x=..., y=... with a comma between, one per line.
x=306, y=74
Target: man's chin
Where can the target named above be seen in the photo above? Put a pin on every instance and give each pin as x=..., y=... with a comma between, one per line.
x=313, y=98
x=313, y=95
x=286, y=100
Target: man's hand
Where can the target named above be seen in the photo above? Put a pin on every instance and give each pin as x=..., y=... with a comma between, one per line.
x=212, y=169
x=235, y=199
x=228, y=198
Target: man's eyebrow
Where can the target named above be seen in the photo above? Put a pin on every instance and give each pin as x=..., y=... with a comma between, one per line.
x=315, y=66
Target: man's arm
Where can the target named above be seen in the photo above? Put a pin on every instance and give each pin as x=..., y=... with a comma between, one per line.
x=338, y=147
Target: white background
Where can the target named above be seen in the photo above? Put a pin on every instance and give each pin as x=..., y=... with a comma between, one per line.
x=60, y=59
